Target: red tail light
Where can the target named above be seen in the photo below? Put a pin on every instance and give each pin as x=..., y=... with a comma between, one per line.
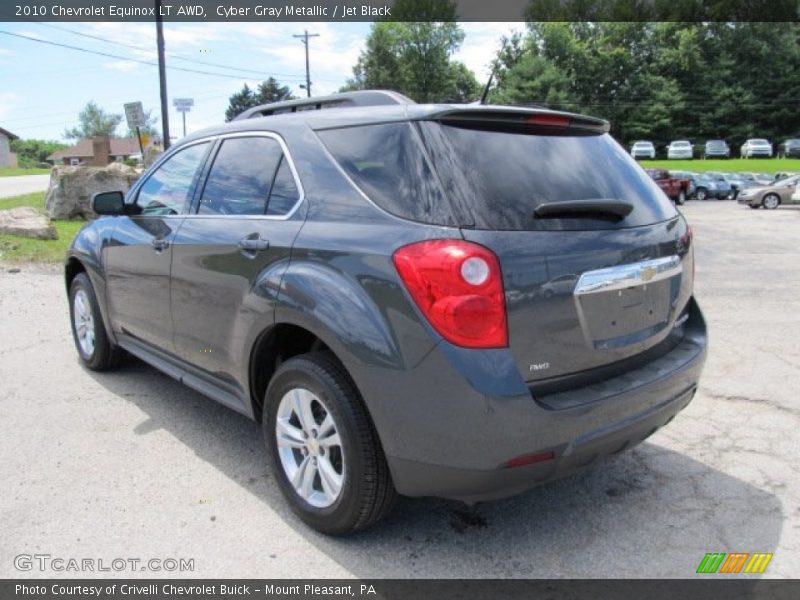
x=547, y=120
x=458, y=286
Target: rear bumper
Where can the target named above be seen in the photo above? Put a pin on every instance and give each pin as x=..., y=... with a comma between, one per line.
x=445, y=438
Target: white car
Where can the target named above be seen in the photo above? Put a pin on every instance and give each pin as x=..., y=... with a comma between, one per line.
x=756, y=147
x=680, y=149
x=643, y=150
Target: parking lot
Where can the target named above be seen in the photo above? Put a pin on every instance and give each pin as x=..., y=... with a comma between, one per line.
x=130, y=464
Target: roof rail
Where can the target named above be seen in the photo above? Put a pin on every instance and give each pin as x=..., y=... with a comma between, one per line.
x=343, y=100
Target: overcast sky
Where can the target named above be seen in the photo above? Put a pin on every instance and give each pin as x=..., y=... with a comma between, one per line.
x=45, y=86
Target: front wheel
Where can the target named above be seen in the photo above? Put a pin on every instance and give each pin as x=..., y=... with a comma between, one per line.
x=681, y=199
x=771, y=201
x=324, y=450
x=701, y=194
x=91, y=341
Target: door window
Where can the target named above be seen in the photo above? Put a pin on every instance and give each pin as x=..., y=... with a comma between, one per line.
x=241, y=177
x=167, y=190
x=284, y=192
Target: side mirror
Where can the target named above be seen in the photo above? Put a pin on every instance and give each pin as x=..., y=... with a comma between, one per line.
x=108, y=203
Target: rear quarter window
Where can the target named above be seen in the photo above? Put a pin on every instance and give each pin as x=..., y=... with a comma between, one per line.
x=387, y=163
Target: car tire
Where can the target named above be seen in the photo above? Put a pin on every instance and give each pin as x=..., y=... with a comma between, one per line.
x=701, y=194
x=344, y=487
x=771, y=201
x=681, y=199
x=95, y=349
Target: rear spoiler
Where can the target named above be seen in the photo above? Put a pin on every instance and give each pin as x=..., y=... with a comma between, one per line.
x=521, y=120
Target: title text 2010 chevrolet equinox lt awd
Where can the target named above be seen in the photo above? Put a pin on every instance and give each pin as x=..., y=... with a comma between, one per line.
x=432, y=300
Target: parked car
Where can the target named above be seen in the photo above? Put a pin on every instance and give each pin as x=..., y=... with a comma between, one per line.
x=689, y=177
x=739, y=182
x=762, y=178
x=771, y=196
x=756, y=148
x=711, y=185
x=680, y=149
x=674, y=187
x=789, y=149
x=716, y=149
x=643, y=149
x=347, y=277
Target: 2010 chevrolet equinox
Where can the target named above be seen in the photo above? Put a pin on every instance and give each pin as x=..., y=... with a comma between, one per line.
x=432, y=300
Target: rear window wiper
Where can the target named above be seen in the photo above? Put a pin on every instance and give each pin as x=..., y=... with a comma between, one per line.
x=576, y=209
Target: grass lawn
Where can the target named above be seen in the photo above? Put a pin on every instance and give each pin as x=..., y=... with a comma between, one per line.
x=21, y=249
x=734, y=165
x=13, y=171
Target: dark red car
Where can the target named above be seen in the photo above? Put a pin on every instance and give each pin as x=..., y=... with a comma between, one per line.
x=675, y=188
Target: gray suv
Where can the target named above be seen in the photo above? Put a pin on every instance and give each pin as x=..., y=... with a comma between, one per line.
x=460, y=301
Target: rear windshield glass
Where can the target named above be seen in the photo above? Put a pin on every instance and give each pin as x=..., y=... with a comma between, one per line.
x=449, y=174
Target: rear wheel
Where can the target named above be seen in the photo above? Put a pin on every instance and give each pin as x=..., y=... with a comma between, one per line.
x=324, y=450
x=771, y=201
x=94, y=348
x=681, y=199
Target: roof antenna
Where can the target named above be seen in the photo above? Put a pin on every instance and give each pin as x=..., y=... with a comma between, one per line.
x=486, y=89
x=491, y=75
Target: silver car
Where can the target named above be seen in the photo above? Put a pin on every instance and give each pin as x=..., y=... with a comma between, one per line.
x=680, y=149
x=756, y=147
x=643, y=149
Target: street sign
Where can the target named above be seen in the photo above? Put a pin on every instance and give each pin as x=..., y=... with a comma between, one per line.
x=183, y=104
x=134, y=114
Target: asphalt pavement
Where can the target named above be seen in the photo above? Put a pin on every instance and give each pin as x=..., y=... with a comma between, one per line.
x=130, y=464
x=23, y=184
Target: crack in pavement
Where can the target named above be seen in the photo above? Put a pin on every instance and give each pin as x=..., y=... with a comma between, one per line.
x=750, y=400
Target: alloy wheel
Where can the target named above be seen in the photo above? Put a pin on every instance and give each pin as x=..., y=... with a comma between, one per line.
x=84, y=322
x=309, y=447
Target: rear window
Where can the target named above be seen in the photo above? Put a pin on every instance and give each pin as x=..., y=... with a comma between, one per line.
x=487, y=179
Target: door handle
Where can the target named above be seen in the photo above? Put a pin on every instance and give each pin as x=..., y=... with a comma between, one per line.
x=253, y=244
x=160, y=244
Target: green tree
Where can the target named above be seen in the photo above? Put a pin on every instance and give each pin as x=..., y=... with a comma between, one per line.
x=33, y=152
x=94, y=121
x=661, y=80
x=414, y=57
x=239, y=102
x=267, y=91
x=272, y=91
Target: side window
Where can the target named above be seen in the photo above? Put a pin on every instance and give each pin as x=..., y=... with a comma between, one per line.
x=284, y=193
x=166, y=191
x=241, y=177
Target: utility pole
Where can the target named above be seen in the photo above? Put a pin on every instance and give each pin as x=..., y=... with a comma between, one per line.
x=304, y=38
x=162, y=75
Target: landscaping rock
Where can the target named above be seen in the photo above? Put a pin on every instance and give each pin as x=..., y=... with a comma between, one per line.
x=27, y=222
x=71, y=188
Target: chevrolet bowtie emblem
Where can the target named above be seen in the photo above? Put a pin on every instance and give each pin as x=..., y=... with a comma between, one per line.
x=648, y=273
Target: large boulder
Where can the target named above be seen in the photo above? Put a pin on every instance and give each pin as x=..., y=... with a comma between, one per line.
x=71, y=188
x=27, y=222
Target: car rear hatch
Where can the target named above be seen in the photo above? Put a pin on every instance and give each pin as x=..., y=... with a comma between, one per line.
x=595, y=259
x=594, y=256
